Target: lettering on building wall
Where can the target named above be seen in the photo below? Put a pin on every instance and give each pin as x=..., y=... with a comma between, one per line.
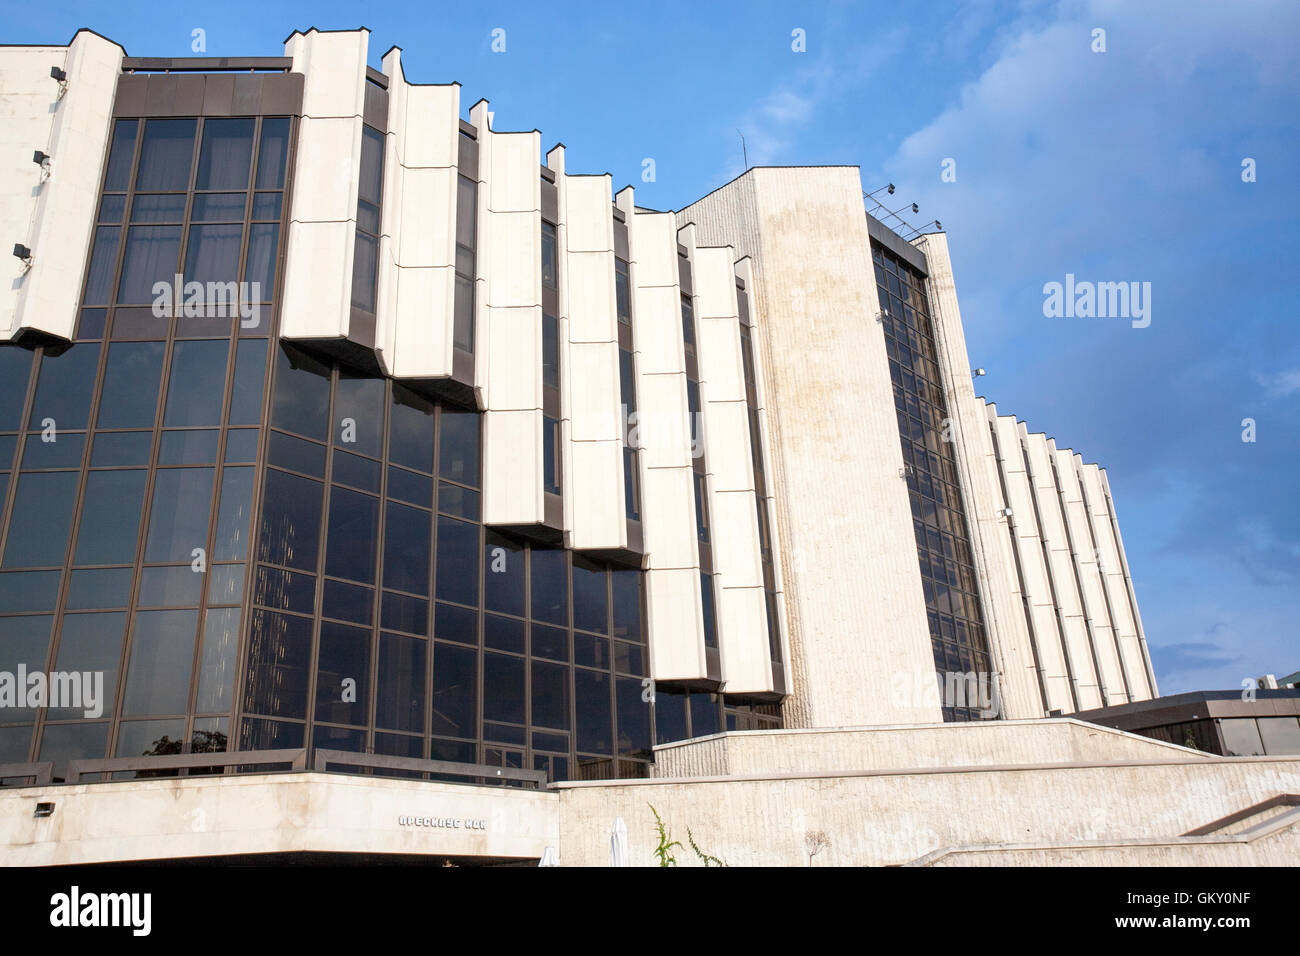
x=443, y=823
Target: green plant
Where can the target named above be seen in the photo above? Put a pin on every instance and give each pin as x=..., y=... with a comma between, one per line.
x=664, y=850
x=708, y=860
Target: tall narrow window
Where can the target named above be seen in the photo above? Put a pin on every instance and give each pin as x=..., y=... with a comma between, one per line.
x=365, y=265
x=549, y=275
x=688, y=325
x=623, y=291
x=628, y=390
x=550, y=351
x=550, y=456
x=466, y=209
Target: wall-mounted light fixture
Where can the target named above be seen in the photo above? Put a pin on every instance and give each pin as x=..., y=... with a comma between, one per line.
x=61, y=77
x=977, y=372
x=46, y=162
x=25, y=254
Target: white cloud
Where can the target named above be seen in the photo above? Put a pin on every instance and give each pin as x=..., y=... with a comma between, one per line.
x=1279, y=384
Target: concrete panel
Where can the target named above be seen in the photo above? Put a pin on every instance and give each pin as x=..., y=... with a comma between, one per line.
x=663, y=421
x=431, y=133
x=428, y=234
x=735, y=544
x=515, y=184
x=317, y=285
x=657, y=320
x=514, y=345
x=593, y=387
x=1008, y=636
x=587, y=214
x=727, y=434
x=746, y=667
x=514, y=257
x=512, y=467
x=1111, y=566
x=335, y=69
x=326, y=170
x=669, y=505
x=843, y=510
x=1089, y=581
x=653, y=237
x=674, y=624
x=591, y=298
x=720, y=362
x=425, y=302
x=55, y=219
x=595, y=483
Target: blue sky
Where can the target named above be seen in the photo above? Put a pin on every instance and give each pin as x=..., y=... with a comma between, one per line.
x=1115, y=166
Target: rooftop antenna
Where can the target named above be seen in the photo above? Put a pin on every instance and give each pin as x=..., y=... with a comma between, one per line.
x=743, y=150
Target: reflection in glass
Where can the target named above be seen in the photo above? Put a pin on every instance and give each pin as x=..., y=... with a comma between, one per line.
x=179, y=509
x=457, y=561
x=64, y=387
x=152, y=255
x=131, y=377
x=343, y=674
x=165, y=155
x=110, y=517
x=279, y=653
x=162, y=653
x=41, y=519
x=226, y=154
x=399, y=701
x=290, y=526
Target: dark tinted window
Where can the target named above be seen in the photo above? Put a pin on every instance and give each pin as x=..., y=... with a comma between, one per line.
x=41, y=520
x=410, y=430
x=342, y=674
x=353, y=535
x=406, y=548
x=178, y=517
x=457, y=561
x=590, y=602
x=226, y=154
x=110, y=517
x=459, y=447
x=290, y=525
x=130, y=395
x=278, y=656
x=198, y=381
x=273, y=153
x=302, y=394
x=548, y=256
x=400, y=694
x=165, y=155
x=455, y=694
x=503, y=581
x=550, y=586
x=64, y=387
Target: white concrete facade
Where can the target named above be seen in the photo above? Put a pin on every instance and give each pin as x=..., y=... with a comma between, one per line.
x=1056, y=593
x=52, y=210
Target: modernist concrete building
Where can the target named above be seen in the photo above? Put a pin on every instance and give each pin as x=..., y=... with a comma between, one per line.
x=339, y=427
